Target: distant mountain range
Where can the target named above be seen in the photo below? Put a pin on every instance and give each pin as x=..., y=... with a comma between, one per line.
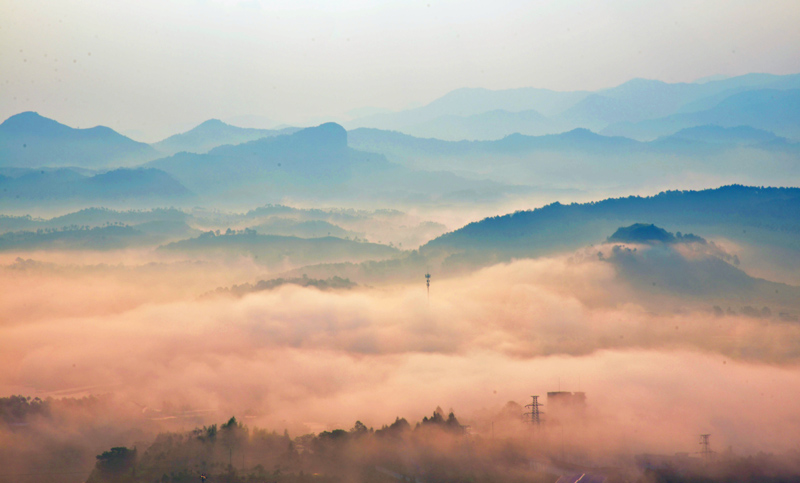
x=769, y=109
x=480, y=114
x=29, y=140
x=398, y=146
x=583, y=159
x=511, y=143
x=317, y=163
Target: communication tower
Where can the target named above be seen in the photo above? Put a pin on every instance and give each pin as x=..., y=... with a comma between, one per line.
x=428, y=283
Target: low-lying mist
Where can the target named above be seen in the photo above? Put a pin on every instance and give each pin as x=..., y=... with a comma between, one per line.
x=657, y=370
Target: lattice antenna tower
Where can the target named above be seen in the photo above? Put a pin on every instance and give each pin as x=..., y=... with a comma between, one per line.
x=705, y=447
x=533, y=414
x=428, y=283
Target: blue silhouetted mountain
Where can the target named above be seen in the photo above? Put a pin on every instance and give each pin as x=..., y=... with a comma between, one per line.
x=282, y=251
x=764, y=215
x=583, y=159
x=739, y=135
x=464, y=113
x=30, y=140
x=399, y=145
x=743, y=83
x=67, y=187
x=777, y=111
x=314, y=162
x=471, y=101
x=641, y=99
x=702, y=140
x=484, y=126
x=644, y=99
x=306, y=161
x=211, y=134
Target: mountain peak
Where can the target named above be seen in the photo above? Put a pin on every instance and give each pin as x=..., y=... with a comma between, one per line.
x=211, y=123
x=329, y=134
x=581, y=133
x=31, y=122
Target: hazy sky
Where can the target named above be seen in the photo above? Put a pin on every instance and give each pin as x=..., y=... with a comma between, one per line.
x=154, y=66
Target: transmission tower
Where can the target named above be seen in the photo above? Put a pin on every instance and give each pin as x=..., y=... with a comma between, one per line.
x=428, y=284
x=533, y=415
x=705, y=450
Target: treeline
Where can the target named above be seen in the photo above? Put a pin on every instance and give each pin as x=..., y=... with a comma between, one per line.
x=435, y=449
x=332, y=283
x=20, y=410
x=79, y=237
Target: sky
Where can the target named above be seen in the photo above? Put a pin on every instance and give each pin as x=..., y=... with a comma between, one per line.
x=151, y=68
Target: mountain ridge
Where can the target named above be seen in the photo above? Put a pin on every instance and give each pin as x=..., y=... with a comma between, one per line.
x=30, y=140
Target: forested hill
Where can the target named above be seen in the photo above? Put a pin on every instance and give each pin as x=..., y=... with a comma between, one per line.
x=729, y=210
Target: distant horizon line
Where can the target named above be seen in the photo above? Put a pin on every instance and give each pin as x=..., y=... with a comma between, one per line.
x=313, y=121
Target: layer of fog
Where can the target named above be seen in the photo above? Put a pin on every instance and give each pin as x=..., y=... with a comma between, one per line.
x=308, y=360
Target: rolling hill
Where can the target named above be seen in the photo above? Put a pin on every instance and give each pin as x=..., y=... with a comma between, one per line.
x=730, y=210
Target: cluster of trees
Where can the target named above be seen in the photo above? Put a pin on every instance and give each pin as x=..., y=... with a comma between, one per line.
x=98, y=237
x=332, y=283
x=17, y=409
x=20, y=410
x=228, y=232
x=233, y=453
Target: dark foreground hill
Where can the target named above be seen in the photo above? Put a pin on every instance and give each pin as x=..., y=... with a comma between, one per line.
x=770, y=215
